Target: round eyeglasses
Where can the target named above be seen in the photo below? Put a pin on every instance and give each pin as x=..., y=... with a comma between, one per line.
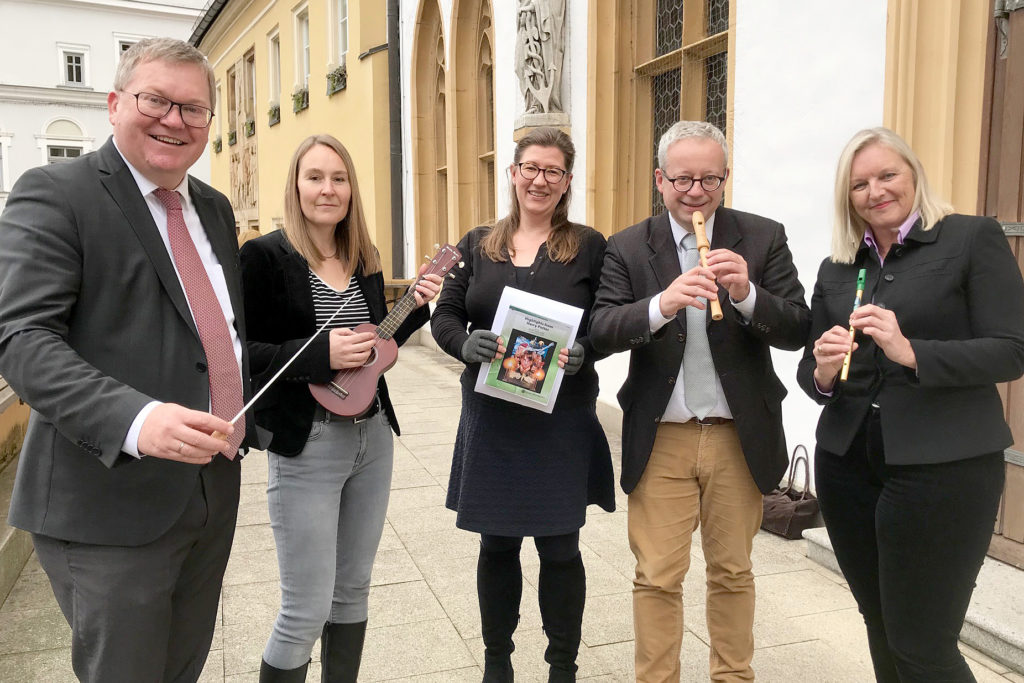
x=683, y=183
x=551, y=175
x=157, y=107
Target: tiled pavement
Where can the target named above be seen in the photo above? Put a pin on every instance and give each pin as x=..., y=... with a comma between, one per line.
x=424, y=624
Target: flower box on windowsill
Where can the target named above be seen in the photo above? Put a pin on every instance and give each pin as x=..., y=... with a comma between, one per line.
x=300, y=100
x=232, y=138
x=337, y=79
x=217, y=145
x=274, y=115
x=249, y=127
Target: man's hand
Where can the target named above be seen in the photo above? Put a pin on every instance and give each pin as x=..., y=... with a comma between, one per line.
x=174, y=432
x=685, y=290
x=731, y=270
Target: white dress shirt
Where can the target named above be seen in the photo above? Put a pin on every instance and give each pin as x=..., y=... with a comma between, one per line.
x=676, y=410
x=210, y=262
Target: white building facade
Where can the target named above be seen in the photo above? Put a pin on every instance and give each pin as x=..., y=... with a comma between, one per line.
x=59, y=58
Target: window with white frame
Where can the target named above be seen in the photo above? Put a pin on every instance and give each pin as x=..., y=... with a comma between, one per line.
x=73, y=64
x=302, y=47
x=342, y=37
x=58, y=154
x=274, y=67
x=123, y=41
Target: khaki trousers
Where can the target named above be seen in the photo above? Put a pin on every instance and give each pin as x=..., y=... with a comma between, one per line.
x=696, y=476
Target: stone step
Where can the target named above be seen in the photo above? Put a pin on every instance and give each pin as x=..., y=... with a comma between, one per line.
x=15, y=544
x=994, y=624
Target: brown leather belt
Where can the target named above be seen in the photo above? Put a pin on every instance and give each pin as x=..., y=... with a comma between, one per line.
x=321, y=414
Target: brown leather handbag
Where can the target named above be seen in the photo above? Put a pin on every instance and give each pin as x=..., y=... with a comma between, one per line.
x=788, y=512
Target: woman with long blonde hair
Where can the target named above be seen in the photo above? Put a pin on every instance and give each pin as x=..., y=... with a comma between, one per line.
x=329, y=476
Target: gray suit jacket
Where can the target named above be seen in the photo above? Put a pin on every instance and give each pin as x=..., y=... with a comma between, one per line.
x=640, y=262
x=93, y=325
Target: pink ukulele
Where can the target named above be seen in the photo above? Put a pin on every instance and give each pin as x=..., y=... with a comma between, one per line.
x=352, y=390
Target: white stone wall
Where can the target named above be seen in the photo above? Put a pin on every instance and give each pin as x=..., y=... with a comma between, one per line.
x=808, y=76
x=31, y=94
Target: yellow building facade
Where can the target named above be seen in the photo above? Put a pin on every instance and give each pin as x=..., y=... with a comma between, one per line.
x=289, y=70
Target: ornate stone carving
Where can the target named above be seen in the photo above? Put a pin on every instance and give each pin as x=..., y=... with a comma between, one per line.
x=540, y=47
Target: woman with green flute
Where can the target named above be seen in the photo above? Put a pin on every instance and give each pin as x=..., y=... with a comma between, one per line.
x=909, y=460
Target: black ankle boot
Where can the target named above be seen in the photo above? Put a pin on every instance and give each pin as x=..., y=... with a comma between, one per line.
x=499, y=588
x=341, y=650
x=271, y=674
x=562, y=592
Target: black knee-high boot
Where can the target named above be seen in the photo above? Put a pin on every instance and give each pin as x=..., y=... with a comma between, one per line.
x=499, y=588
x=562, y=592
x=341, y=650
x=271, y=674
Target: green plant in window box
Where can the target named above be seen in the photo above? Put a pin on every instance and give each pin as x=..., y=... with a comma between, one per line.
x=249, y=127
x=274, y=115
x=300, y=99
x=217, y=144
x=232, y=138
x=337, y=79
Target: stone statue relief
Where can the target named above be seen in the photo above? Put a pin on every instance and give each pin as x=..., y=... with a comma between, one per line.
x=540, y=46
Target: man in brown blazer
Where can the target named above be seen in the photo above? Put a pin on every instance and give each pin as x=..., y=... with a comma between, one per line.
x=702, y=422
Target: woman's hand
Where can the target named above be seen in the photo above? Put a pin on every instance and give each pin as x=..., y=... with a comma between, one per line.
x=350, y=349
x=829, y=352
x=571, y=359
x=880, y=324
x=427, y=287
x=482, y=346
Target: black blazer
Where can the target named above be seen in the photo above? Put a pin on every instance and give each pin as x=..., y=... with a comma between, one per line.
x=957, y=294
x=279, y=308
x=641, y=261
x=94, y=325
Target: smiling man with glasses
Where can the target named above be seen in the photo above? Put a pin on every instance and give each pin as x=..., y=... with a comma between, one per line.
x=121, y=325
x=702, y=423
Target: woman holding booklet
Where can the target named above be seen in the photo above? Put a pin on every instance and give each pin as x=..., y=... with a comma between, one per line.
x=517, y=471
x=909, y=460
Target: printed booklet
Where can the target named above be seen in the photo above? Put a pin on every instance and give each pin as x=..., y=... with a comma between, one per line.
x=533, y=329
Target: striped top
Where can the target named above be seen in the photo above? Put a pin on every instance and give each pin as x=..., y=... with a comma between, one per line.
x=326, y=301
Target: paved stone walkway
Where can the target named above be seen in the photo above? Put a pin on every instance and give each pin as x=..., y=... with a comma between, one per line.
x=424, y=624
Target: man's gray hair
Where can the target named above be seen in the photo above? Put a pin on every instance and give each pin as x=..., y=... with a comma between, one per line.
x=690, y=129
x=168, y=50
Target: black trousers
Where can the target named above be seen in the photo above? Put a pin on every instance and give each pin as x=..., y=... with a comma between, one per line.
x=146, y=614
x=910, y=540
x=549, y=548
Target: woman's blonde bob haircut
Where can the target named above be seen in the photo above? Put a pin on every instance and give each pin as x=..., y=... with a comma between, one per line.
x=564, y=241
x=847, y=227
x=351, y=237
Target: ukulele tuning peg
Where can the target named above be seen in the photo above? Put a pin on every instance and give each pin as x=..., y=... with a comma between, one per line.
x=436, y=245
x=462, y=264
x=451, y=275
x=426, y=257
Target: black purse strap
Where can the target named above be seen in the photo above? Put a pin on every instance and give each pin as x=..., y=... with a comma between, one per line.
x=799, y=455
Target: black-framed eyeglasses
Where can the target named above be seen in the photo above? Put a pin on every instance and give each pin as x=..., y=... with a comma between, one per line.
x=551, y=175
x=157, y=107
x=683, y=183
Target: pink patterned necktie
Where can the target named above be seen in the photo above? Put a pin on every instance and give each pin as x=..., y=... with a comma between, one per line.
x=221, y=363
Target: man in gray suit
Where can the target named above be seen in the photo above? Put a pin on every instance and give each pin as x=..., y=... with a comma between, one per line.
x=702, y=408
x=121, y=326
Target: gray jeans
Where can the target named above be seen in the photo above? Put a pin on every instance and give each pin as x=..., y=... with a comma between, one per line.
x=327, y=508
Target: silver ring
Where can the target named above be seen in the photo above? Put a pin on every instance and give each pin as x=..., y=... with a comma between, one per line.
x=181, y=444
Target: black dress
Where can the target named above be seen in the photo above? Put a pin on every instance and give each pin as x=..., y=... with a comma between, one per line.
x=517, y=471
